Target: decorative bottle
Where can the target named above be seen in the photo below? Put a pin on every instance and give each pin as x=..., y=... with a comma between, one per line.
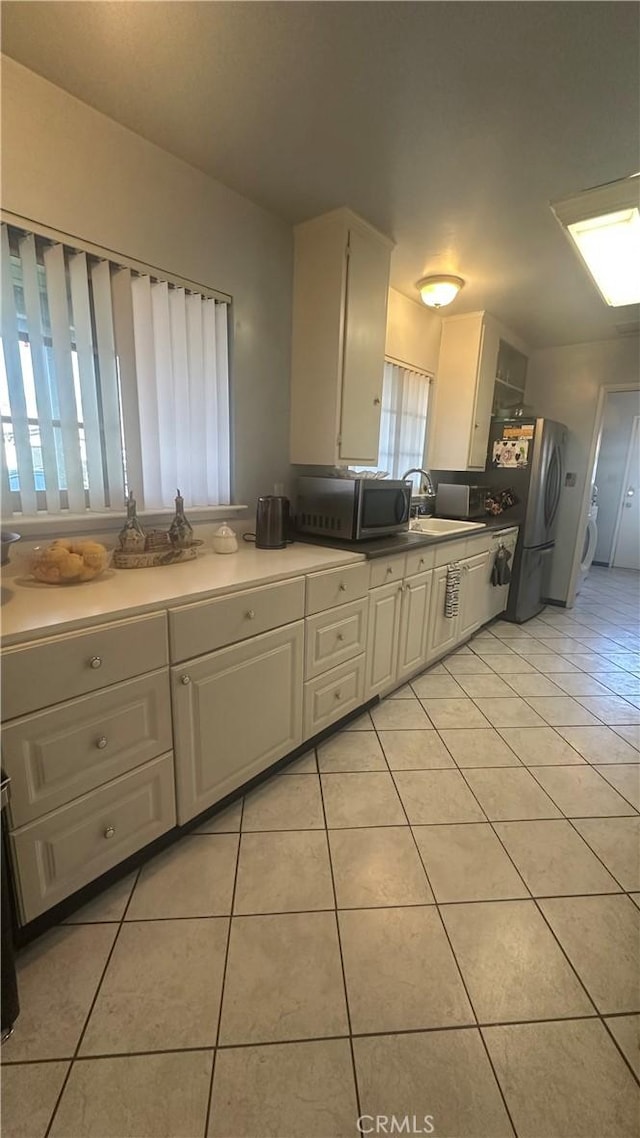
x=180, y=530
x=131, y=538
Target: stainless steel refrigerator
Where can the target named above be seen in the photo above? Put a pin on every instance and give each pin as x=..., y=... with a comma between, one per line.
x=527, y=456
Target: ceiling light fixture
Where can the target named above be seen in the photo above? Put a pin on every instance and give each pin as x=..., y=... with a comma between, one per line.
x=436, y=291
x=604, y=225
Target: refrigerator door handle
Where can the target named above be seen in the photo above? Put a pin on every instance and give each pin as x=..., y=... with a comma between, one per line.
x=553, y=486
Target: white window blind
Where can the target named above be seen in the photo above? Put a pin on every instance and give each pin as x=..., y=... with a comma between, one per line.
x=403, y=420
x=110, y=380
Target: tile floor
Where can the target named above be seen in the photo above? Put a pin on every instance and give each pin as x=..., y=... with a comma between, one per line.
x=436, y=914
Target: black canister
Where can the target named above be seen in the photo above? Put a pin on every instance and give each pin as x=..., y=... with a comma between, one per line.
x=272, y=522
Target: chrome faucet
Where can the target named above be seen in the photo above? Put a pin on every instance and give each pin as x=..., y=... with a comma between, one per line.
x=428, y=481
x=423, y=502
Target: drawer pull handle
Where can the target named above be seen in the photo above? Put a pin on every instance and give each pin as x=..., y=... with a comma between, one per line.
x=109, y=832
x=340, y=636
x=101, y=743
x=250, y=614
x=95, y=662
x=421, y=561
x=389, y=569
x=186, y=679
x=343, y=587
x=338, y=694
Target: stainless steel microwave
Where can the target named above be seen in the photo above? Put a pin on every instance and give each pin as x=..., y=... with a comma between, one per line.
x=352, y=509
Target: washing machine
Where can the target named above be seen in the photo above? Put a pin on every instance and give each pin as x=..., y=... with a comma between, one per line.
x=589, y=546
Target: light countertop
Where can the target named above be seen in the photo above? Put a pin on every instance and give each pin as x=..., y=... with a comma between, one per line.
x=30, y=610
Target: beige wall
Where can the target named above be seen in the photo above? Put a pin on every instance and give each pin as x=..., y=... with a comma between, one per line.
x=413, y=333
x=564, y=384
x=69, y=167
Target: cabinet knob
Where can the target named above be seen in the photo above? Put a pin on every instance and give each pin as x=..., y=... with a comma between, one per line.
x=421, y=561
x=340, y=637
x=109, y=832
x=376, y=402
x=250, y=614
x=343, y=587
x=101, y=742
x=95, y=662
x=337, y=694
x=389, y=569
x=186, y=679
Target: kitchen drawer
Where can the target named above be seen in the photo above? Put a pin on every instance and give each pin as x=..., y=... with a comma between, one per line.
x=49, y=671
x=449, y=551
x=333, y=694
x=336, y=587
x=55, y=756
x=70, y=847
x=419, y=560
x=197, y=629
x=334, y=636
x=385, y=570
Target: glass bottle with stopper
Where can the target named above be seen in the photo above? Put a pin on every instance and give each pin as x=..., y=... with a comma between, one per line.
x=131, y=538
x=180, y=530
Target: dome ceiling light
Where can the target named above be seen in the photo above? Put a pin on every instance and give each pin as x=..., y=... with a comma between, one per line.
x=436, y=291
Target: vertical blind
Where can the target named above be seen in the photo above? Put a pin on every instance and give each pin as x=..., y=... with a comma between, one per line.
x=403, y=419
x=110, y=380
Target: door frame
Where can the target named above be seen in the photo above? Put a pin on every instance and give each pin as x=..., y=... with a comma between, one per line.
x=625, y=482
x=592, y=462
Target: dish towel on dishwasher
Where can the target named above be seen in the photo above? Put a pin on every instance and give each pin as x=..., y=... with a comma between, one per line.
x=452, y=592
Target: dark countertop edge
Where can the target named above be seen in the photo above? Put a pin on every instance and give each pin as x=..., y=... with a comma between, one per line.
x=400, y=543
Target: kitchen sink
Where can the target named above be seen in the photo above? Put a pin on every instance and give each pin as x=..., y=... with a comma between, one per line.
x=442, y=527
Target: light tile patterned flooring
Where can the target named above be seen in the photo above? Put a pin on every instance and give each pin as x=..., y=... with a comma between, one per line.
x=436, y=915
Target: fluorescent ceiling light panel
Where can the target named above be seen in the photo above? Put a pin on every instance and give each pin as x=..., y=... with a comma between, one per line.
x=604, y=224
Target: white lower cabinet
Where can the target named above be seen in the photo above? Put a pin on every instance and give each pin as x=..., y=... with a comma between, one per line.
x=398, y=629
x=54, y=756
x=443, y=632
x=66, y=849
x=474, y=593
x=414, y=625
x=333, y=694
x=385, y=606
x=235, y=712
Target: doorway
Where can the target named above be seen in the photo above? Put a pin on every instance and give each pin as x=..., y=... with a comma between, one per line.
x=626, y=540
x=610, y=464
x=616, y=472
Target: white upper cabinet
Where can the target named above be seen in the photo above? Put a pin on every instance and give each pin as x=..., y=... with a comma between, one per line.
x=467, y=366
x=340, y=290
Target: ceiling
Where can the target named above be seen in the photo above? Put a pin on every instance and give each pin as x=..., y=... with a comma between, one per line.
x=450, y=126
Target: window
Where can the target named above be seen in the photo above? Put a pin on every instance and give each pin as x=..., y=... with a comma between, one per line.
x=110, y=379
x=403, y=420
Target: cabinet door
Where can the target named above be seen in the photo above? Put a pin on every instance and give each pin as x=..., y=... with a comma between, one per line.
x=475, y=598
x=363, y=347
x=451, y=424
x=235, y=712
x=414, y=624
x=483, y=402
x=443, y=631
x=382, y=638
